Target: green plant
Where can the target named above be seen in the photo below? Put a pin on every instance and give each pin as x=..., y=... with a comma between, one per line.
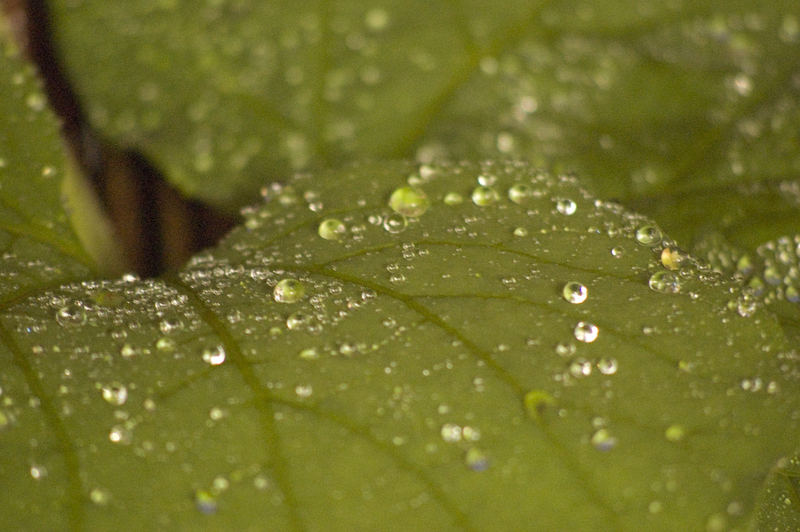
x=486, y=344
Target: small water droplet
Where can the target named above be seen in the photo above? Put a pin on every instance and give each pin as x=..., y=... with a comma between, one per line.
x=484, y=196
x=170, y=325
x=115, y=393
x=303, y=390
x=71, y=316
x=580, y=367
x=602, y=440
x=648, y=235
x=309, y=353
x=665, y=282
x=165, y=344
x=395, y=223
x=476, y=459
x=675, y=433
x=520, y=193
x=331, y=229
x=673, y=258
x=453, y=198
x=607, y=365
x=38, y=471
x=298, y=320
x=214, y=355
x=586, y=332
x=451, y=432
x=288, y=291
x=617, y=252
x=565, y=350
x=536, y=402
x=205, y=501
x=520, y=232
x=119, y=434
x=100, y=496
x=575, y=293
x=409, y=201
x=566, y=206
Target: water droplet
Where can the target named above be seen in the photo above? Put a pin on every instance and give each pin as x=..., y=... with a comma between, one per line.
x=607, y=365
x=288, y=291
x=38, y=471
x=309, y=353
x=520, y=193
x=586, y=332
x=453, y=198
x=536, y=402
x=476, y=459
x=575, y=293
x=100, y=496
x=485, y=196
x=672, y=258
x=565, y=350
x=580, y=367
x=409, y=201
x=165, y=344
x=71, y=316
x=298, y=320
x=566, y=206
x=602, y=440
x=128, y=351
x=119, y=434
x=331, y=229
x=648, y=235
x=451, y=432
x=303, y=390
x=170, y=325
x=617, y=252
x=675, y=433
x=665, y=282
x=520, y=232
x=395, y=223
x=115, y=393
x=214, y=355
x=205, y=501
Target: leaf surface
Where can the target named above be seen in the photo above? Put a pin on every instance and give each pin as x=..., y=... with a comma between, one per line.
x=426, y=371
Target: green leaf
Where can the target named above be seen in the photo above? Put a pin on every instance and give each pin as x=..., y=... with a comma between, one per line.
x=672, y=101
x=341, y=364
x=39, y=245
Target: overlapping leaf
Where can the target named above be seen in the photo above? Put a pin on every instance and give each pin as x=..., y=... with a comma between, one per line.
x=681, y=99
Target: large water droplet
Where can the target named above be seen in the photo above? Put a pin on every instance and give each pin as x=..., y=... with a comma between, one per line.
x=665, y=282
x=648, y=235
x=288, y=291
x=214, y=355
x=409, y=201
x=586, y=332
x=485, y=196
x=575, y=293
x=331, y=229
